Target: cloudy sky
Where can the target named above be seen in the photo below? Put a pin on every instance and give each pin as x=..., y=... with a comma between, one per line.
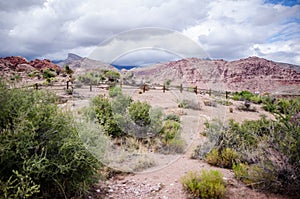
x=224, y=29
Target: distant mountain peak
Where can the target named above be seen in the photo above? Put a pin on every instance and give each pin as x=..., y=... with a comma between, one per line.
x=73, y=57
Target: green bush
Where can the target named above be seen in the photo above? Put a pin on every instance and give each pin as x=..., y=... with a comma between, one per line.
x=170, y=130
x=256, y=176
x=208, y=184
x=139, y=113
x=268, y=150
x=41, y=154
x=120, y=103
x=48, y=73
x=173, y=117
x=243, y=95
x=114, y=91
x=226, y=158
x=256, y=99
x=111, y=76
x=103, y=110
x=269, y=104
x=171, y=139
x=90, y=77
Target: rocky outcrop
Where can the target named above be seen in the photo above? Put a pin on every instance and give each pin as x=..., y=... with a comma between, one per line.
x=70, y=59
x=18, y=67
x=83, y=63
x=253, y=73
x=20, y=64
x=44, y=64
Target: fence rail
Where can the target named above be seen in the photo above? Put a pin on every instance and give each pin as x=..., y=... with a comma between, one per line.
x=143, y=88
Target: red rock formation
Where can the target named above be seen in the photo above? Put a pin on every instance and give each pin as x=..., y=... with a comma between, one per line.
x=253, y=73
x=19, y=64
x=44, y=64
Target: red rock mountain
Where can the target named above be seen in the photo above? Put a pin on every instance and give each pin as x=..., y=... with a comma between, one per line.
x=20, y=64
x=253, y=73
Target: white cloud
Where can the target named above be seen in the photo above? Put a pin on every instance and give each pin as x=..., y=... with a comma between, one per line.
x=233, y=28
x=225, y=29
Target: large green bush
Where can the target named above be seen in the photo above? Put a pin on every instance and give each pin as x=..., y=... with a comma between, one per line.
x=41, y=155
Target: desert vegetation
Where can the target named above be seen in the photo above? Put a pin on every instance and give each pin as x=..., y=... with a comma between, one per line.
x=41, y=154
x=207, y=184
x=49, y=152
x=264, y=153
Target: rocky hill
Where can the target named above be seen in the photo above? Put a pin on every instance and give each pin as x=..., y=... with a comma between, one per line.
x=82, y=63
x=20, y=64
x=18, y=68
x=253, y=73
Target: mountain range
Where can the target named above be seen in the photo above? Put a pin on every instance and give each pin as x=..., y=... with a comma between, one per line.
x=253, y=73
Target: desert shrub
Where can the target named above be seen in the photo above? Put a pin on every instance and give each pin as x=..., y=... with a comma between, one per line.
x=90, y=77
x=112, y=76
x=41, y=154
x=257, y=176
x=269, y=104
x=212, y=131
x=173, y=117
x=68, y=70
x=104, y=113
x=226, y=158
x=189, y=104
x=114, y=91
x=120, y=103
x=33, y=74
x=208, y=184
x=213, y=157
x=270, y=149
x=139, y=113
x=170, y=130
x=170, y=136
x=176, y=145
x=256, y=99
x=243, y=95
x=48, y=73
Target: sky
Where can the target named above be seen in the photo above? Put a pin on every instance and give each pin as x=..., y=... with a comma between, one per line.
x=223, y=29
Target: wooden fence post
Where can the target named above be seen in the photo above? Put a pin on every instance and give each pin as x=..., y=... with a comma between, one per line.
x=181, y=89
x=164, y=88
x=144, y=88
x=67, y=84
x=209, y=92
x=90, y=87
x=226, y=94
x=196, y=90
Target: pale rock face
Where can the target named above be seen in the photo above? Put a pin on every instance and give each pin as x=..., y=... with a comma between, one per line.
x=253, y=73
